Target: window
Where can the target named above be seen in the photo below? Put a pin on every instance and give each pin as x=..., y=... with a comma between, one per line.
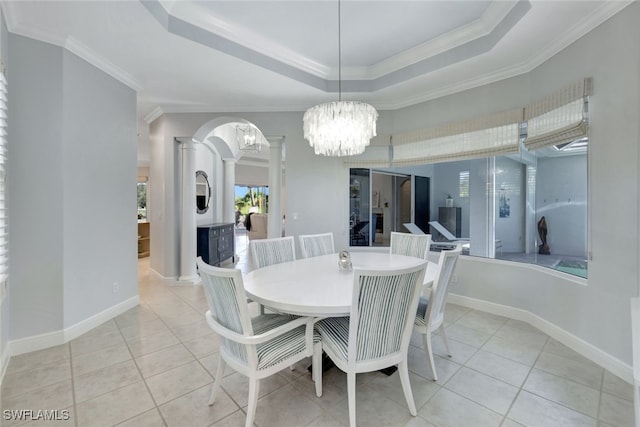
x=142, y=201
x=464, y=183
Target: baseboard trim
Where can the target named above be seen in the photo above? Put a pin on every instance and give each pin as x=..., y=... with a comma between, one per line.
x=610, y=363
x=50, y=339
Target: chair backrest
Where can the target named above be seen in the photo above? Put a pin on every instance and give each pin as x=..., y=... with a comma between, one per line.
x=415, y=245
x=258, y=226
x=446, y=265
x=316, y=244
x=383, y=311
x=227, y=301
x=272, y=251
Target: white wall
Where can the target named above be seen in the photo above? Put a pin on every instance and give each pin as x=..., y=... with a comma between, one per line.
x=99, y=182
x=561, y=196
x=72, y=189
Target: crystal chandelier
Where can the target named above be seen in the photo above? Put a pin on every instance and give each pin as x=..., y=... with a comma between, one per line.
x=248, y=139
x=340, y=128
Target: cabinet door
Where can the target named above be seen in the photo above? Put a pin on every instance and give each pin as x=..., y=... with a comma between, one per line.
x=213, y=247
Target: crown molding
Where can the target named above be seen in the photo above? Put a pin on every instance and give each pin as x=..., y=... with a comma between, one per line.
x=154, y=114
x=599, y=16
x=596, y=18
x=485, y=25
x=84, y=52
x=69, y=43
x=195, y=15
x=200, y=27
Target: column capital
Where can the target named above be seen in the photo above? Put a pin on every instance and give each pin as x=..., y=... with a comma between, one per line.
x=275, y=142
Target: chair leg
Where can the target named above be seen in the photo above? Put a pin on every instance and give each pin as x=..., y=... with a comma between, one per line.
x=316, y=368
x=254, y=388
x=351, y=391
x=403, y=370
x=444, y=339
x=429, y=350
x=218, y=381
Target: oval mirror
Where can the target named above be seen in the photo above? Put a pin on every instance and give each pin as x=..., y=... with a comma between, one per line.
x=203, y=192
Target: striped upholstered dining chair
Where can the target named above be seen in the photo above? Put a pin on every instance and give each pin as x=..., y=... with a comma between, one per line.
x=316, y=244
x=430, y=314
x=415, y=245
x=256, y=347
x=272, y=251
x=377, y=332
x=265, y=252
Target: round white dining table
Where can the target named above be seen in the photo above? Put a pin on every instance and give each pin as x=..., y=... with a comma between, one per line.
x=316, y=286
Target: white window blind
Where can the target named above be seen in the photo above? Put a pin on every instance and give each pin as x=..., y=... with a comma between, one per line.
x=486, y=136
x=558, y=118
x=4, y=230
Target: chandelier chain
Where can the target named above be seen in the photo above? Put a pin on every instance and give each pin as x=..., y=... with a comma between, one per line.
x=339, y=54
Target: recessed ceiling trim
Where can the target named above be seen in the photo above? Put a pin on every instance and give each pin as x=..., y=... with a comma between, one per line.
x=196, y=34
x=492, y=17
x=215, y=41
x=196, y=15
x=69, y=43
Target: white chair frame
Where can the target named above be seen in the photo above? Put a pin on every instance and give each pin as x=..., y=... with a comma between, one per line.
x=351, y=365
x=430, y=316
x=248, y=340
x=415, y=245
x=276, y=250
x=316, y=244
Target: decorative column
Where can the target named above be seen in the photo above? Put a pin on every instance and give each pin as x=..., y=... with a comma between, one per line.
x=274, y=222
x=229, y=199
x=188, y=273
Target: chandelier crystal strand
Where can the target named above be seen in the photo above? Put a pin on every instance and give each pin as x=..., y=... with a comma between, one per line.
x=340, y=128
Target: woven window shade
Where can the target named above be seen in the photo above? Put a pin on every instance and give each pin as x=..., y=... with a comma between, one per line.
x=558, y=118
x=493, y=135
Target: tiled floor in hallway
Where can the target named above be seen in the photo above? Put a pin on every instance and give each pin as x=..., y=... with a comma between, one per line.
x=154, y=366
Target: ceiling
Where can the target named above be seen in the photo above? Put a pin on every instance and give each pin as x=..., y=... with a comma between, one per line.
x=228, y=56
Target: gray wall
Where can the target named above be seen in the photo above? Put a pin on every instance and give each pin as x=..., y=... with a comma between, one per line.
x=599, y=312
x=72, y=189
x=561, y=196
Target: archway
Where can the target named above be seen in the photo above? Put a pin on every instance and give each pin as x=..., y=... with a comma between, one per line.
x=219, y=134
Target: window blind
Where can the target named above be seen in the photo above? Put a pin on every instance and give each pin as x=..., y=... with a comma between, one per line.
x=560, y=117
x=4, y=230
x=492, y=135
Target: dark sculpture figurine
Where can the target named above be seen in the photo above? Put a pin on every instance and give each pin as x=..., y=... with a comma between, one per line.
x=542, y=231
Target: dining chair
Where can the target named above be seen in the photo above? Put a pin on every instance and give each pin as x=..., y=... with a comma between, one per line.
x=415, y=245
x=430, y=313
x=265, y=252
x=276, y=250
x=256, y=347
x=316, y=244
x=376, y=333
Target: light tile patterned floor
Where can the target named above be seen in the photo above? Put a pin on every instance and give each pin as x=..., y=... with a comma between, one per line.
x=154, y=365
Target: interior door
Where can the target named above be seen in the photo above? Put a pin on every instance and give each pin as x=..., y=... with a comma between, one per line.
x=422, y=202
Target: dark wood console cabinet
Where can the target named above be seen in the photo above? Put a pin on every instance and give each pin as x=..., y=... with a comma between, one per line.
x=216, y=243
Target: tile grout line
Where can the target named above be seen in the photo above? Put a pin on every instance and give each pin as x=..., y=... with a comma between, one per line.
x=144, y=381
x=73, y=387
